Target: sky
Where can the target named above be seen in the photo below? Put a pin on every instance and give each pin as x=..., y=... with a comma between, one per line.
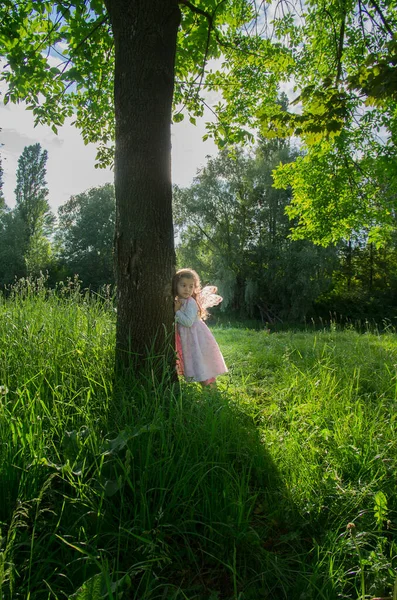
x=70, y=165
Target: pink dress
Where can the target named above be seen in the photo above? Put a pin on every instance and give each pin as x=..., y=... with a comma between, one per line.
x=199, y=356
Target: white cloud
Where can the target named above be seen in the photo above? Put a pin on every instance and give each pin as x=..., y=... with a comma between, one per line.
x=70, y=166
x=189, y=152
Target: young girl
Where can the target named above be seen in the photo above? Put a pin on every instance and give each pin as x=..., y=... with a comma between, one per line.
x=199, y=357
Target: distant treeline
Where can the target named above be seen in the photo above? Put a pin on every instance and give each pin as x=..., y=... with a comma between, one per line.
x=234, y=231
x=78, y=241
x=231, y=226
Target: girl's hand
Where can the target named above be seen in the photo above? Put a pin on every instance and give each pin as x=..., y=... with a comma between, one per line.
x=177, y=304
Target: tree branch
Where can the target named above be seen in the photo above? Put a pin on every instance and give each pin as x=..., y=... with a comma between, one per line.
x=85, y=38
x=198, y=11
x=360, y=11
x=210, y=19
x=53, y=28
x=196, y=224
x=340, y=44
x=383, y=19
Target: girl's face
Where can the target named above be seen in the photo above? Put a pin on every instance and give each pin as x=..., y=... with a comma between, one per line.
x=185, y=287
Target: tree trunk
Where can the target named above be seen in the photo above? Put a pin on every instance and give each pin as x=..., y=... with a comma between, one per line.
x=349, y=265
x=145, y=35
x=371, y=266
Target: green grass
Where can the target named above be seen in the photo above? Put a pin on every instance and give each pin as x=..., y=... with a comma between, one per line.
x=282, y=484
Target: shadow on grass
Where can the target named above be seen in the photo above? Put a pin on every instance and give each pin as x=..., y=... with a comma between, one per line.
x=153, y=490
x=197, y=507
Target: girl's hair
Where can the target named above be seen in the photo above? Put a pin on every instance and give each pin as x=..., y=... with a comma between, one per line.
x=190, y=274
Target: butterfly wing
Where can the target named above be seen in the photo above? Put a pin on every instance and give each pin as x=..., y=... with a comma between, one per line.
x=209, y=297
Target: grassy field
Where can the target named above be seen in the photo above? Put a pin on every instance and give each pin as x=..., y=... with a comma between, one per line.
x=281, y=484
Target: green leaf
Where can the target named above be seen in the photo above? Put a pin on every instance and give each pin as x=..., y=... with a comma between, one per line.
x=92, y=589
x=380, y=508
x=100, y=586
x=121, y=441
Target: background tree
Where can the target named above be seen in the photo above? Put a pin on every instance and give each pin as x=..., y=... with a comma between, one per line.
x=12, y=247
x=234, y=231
x=364, y=281
x=32, y=206
x=215, y=216
x=12, y=239
x=85, y=236
x=2, y=200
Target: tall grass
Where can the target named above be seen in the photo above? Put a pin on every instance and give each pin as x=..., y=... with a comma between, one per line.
x=281, y=484
x=117, y=485
x=325, y=405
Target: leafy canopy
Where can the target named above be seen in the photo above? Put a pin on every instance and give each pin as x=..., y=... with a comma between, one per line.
x=337, y=61
x=344, y=73
x=60, y=59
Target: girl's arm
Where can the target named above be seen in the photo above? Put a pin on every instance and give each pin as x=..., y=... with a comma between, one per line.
x=188, y=315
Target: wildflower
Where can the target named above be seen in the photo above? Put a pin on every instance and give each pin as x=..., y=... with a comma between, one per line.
x=3, y=390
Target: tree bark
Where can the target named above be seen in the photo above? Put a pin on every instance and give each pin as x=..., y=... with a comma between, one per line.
x=145, y=36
